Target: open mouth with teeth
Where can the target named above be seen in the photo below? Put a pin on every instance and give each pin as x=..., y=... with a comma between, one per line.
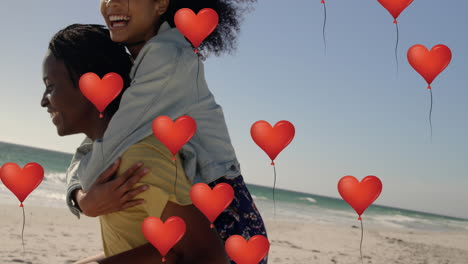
x=118, y=21
x=53, y=114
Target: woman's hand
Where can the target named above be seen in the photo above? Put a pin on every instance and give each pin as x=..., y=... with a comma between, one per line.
x=108, y=195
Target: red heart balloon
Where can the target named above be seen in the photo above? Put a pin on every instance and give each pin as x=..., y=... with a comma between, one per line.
x=163, y=236
x=243, y=252
x=272, y=140
x=211, y=202
x=429, y=64
x=101, y=92
x=359, y=194
x=174, y=134
x=19, y=181
x=196, y=27
x=395, y=7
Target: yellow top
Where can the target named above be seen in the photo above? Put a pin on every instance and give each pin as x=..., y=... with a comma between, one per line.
x=121, y=231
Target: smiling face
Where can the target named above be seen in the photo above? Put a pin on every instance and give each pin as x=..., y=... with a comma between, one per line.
x=69, y=109
x=132, y=22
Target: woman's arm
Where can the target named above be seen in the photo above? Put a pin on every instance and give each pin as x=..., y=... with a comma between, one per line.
x=73, y=182
x=91, y=260
x=108, y=195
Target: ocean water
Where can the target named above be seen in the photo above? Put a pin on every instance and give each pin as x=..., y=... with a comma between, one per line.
x=290, y=205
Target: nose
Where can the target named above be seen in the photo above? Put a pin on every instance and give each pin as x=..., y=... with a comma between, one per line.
x=44, y=100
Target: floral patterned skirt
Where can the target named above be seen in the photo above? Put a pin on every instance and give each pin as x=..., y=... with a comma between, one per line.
x=242, y=216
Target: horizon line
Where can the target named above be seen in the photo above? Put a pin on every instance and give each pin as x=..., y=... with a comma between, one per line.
x=288, y=190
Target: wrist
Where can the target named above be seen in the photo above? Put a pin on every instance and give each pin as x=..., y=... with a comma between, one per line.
x=78, y=196
x=85, y=208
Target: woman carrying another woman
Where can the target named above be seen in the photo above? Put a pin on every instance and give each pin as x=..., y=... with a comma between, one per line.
x=167, y=78
x=79, y=49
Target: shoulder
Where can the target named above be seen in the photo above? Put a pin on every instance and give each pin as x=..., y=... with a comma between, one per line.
x=162, y=52
x=148, y=146
x=154, y=155
x=157, y=47
x=162, y=172
x=155, y=57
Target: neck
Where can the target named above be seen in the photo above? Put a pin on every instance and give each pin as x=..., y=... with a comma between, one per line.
x=97, y=126
x=135, y=48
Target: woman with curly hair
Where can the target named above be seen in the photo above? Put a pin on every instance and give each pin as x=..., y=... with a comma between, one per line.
x=167, y=79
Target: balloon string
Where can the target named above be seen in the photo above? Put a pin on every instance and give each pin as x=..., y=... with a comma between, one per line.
x=324, y=23
x=430, y=115
x=396, y=47
x=22, y=231
x=175, y=182
x=198, y=71
x=274, y=186
x=362, y=236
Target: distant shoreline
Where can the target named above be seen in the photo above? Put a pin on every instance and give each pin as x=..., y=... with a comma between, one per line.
x=287, y=190
x=375, y=204
x=50, y=150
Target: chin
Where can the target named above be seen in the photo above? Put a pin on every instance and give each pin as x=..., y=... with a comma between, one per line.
x=118, y=37
x=63, y=132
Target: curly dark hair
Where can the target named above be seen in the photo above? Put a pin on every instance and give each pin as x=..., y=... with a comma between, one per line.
x=89, y=48
x=230, y=12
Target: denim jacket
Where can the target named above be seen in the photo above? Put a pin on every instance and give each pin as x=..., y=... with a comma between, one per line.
x=167, y=79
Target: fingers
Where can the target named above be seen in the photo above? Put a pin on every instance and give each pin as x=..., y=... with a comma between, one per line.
x=132, y=203
x=132, y=193
x=127, y=174
x=132, y=180
x=108, y=172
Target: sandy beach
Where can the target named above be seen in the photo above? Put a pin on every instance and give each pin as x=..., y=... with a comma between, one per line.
x=53, y=235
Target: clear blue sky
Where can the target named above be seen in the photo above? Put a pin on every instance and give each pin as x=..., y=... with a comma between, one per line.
x=353, y=115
